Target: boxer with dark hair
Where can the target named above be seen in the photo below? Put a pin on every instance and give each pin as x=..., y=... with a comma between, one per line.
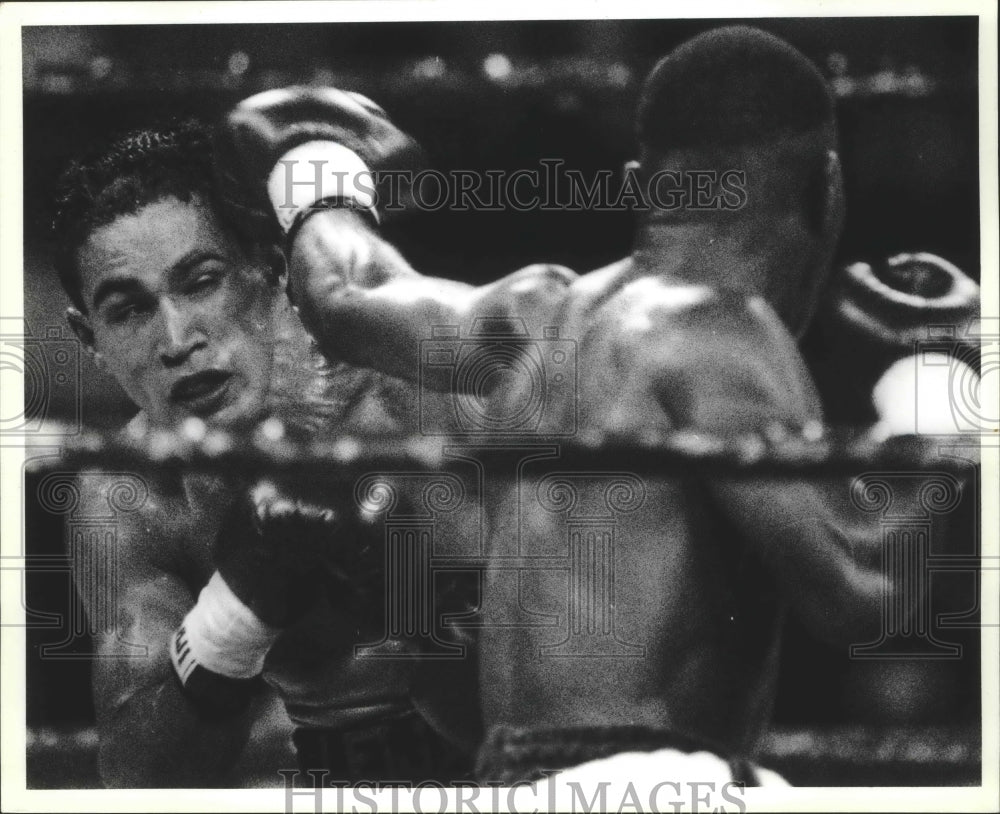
x=697, y=330
x=225, y=582
x=735, y=99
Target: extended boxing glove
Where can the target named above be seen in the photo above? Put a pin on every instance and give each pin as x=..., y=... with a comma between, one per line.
x=284, y=153
x=890, y=342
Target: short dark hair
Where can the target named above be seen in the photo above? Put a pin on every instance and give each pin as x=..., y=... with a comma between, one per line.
x=135, y=170
x=740, y=98
x=731, y=86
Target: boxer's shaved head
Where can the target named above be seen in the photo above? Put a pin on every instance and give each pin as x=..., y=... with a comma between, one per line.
x=730, y=87
x=741, y=100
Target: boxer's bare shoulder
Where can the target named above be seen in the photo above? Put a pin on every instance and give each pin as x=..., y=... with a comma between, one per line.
x=156, y=529
x=535, y=294
x=539, y=279
x=707, y=351
x=162, y=545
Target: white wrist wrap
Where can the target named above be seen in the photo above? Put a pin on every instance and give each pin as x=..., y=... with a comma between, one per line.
x=922, y=395
x=222, y=635
x=315, y=171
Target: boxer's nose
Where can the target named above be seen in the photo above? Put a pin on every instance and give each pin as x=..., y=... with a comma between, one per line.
x=180, y=336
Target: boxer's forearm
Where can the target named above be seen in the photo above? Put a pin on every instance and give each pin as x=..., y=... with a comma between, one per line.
x=824, y=557
x=156, y=739
x=152, y=733
x=361, y=300
x=743, y=374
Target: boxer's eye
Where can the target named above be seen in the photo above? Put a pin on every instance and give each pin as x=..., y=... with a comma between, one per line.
x=204, y=281
x=122, y=311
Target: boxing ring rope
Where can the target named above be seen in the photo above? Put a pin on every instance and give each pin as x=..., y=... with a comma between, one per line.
x=809, y=756
x=815, y=451
x=820, y=756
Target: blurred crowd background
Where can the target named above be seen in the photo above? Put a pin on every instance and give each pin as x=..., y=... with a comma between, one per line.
x=504, y=95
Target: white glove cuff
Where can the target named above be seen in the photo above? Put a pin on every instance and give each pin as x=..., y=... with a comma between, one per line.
x=222, y=635
x=318, y=170
x=922, y=395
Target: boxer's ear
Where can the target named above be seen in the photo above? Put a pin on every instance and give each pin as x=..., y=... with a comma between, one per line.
x=825, y=199
x=833, y=219
x=274, y=259
x=81, y=327
x=84, y=332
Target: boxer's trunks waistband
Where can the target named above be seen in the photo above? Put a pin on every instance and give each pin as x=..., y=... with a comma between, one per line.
x=403, y=748
x=510, y=755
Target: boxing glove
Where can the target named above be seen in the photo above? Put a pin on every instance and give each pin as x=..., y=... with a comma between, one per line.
x=885, y=336
x=284, y=152
x=272, y=565
x=276, y=553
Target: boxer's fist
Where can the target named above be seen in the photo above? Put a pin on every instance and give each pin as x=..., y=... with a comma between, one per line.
x=332, y=145
x=276, y=554
x=876, y=318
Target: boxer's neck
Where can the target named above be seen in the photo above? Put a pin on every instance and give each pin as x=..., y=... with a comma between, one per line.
x=704, y=253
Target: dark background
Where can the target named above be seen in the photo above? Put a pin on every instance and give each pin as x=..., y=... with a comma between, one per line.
x=907, y=103
x=907, y=111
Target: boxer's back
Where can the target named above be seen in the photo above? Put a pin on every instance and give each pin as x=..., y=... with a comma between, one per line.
x=664, y=619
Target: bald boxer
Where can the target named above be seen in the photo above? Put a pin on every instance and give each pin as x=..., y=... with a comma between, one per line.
x=696, y=329
x=223, y=582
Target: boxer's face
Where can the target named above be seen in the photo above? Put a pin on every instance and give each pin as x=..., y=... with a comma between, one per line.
x=178, y=314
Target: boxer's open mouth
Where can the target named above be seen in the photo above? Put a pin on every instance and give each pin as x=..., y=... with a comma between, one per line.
x=201, y=393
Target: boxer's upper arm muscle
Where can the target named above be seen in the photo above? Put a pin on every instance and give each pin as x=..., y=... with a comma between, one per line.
x=147, y=605
x=149, y=734
x=365, y=304
x=740, y=372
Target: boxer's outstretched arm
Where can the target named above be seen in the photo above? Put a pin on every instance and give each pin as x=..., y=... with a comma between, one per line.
x=364, y=304
x=150, y=734
x=739, y=372
x=360, y=299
